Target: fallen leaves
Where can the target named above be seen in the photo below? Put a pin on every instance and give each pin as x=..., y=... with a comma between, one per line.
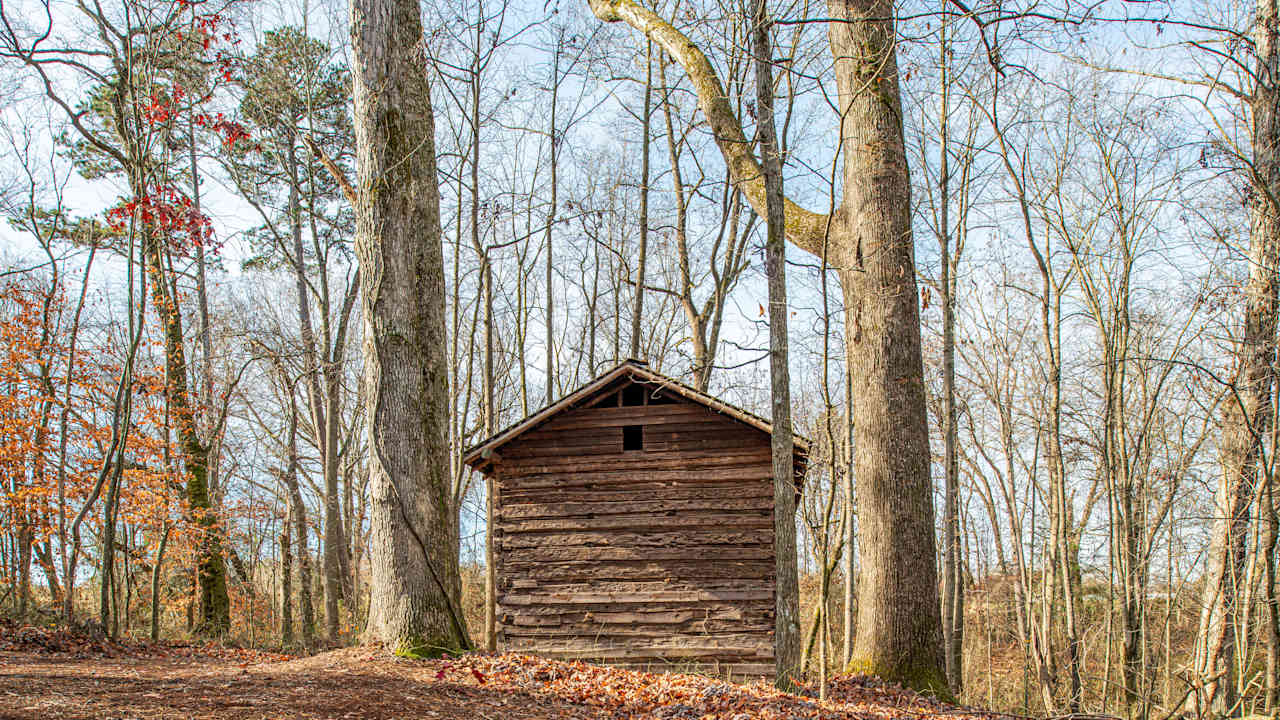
x=92, y=676
x=633, y=695
x=87, y=641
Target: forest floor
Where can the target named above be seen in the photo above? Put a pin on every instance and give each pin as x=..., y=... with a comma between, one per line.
x=51, y=674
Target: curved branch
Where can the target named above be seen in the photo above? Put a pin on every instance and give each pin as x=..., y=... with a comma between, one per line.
x=805, y=229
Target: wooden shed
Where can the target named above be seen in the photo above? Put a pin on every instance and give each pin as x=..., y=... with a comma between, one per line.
x=633, y=526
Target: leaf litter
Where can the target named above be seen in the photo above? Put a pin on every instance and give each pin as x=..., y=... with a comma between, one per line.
x=51, y=674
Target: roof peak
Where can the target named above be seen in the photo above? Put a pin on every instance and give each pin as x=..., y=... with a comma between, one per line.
x=636, y=370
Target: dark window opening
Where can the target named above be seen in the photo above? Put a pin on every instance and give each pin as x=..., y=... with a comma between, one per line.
x=608, y=401
x=660, y=399
x=632, y=396
x=632, y=437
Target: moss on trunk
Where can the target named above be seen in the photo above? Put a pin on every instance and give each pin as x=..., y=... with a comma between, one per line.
x=924, y=677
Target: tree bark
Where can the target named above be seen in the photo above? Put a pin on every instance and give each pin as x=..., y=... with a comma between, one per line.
x=286, y=581
x=786, y=627
x=156, y=569
x=415, y=584
x=1247, y=411
x=899, y=617
x=952, y=578
x=554, y=140
x=899, y=631
x=637, y=307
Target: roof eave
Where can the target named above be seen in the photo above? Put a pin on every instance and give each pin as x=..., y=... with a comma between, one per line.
x=478, y=455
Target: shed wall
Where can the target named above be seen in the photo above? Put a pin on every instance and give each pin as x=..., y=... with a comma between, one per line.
x=644, y=558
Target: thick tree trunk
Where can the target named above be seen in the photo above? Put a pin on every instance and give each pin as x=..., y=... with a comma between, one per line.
x=1248, y=409
x=899, y=619
x=416, y=588
x=899, y=629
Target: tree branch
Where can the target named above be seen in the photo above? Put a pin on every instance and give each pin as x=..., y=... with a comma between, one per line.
x=804, y=228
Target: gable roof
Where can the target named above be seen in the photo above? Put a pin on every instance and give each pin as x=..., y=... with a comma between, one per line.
x=636, y=371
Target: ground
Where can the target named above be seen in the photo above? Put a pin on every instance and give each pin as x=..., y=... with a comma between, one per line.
x=48, y=674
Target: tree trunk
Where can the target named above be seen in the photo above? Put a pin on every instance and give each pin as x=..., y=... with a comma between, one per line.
x=107, y=574
x=155, y=583
x=286, y=581
x=899, y=628
x=489, y=408
x=554, y=141
x=850, y=507
x=899, y=620
x=415, y=584
x=952, y=580
x=1247, y=410
x=1272, y=683
x=786, y=628
x=637, y=307
x=211, y=575
x=298, y=516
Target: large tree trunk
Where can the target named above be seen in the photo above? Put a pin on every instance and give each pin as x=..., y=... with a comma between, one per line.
x=899, y=628
x=869, y=238
x=1248, y=409
x=414, y=605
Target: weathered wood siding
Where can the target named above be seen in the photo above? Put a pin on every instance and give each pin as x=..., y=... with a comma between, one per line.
x=646, y=558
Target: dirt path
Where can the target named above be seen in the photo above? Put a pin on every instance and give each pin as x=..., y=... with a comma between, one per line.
x=333, y=685
x=55, y=678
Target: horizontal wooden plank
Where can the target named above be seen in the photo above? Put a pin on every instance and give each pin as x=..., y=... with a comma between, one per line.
x=595, y=598
x=528, y=570
x=651, y=652
x=641, y=616
x=632, y=415
x=743, y=482
x=630, y=586
x=535, y=452
x=666, y=426
x=692, y=519
x=721, y=443
x=700, y=628
x=736, y=487
x=691, y=538
x=630, y=637
x=751, y=609
x=622, y=479
x=526, y=511
x=529, y=550
x=686, y=461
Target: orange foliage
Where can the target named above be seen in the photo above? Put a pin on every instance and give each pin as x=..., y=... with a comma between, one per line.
x=34, y=354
